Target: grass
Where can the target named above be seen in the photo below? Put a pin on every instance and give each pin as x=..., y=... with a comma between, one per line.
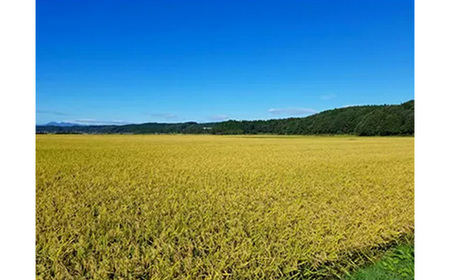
x=212, y=207
x=397, y=264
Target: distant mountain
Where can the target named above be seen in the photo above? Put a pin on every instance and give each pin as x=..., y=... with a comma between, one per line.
x=358, y=120
x=62, y=124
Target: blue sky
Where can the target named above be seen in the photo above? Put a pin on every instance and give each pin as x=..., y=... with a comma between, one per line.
x=173, y=61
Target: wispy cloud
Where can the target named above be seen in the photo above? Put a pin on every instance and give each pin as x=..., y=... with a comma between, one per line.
x=51, y=113
x=97, y=122
x=219, y=117
x=351, y=105
x=292, y=111
x=328, y=96
x=165, y=116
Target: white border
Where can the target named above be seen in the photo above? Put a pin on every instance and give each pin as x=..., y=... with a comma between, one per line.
x=432, y=191
x=17, y=148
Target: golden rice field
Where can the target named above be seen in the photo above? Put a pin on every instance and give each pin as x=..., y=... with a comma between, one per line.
x=218, y=207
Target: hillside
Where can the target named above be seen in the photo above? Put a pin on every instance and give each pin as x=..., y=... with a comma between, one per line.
x=359, y=120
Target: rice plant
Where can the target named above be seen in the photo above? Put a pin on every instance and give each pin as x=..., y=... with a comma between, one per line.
x=218, y=207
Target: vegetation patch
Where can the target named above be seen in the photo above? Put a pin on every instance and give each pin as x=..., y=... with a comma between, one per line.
x=396, y=264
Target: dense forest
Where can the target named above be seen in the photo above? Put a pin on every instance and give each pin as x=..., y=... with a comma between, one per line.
x=358, y=120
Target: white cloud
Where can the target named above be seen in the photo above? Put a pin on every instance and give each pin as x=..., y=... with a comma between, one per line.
x=50, y=113
x=328, y=96
x=165, y=116
x=219, y=117
x=350, y=105
x=96, y=122
x=292, y=111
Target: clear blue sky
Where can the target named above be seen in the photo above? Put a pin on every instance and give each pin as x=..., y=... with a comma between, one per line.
x=171, y=61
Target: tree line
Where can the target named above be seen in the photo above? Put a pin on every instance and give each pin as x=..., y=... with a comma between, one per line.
x=371, y=120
